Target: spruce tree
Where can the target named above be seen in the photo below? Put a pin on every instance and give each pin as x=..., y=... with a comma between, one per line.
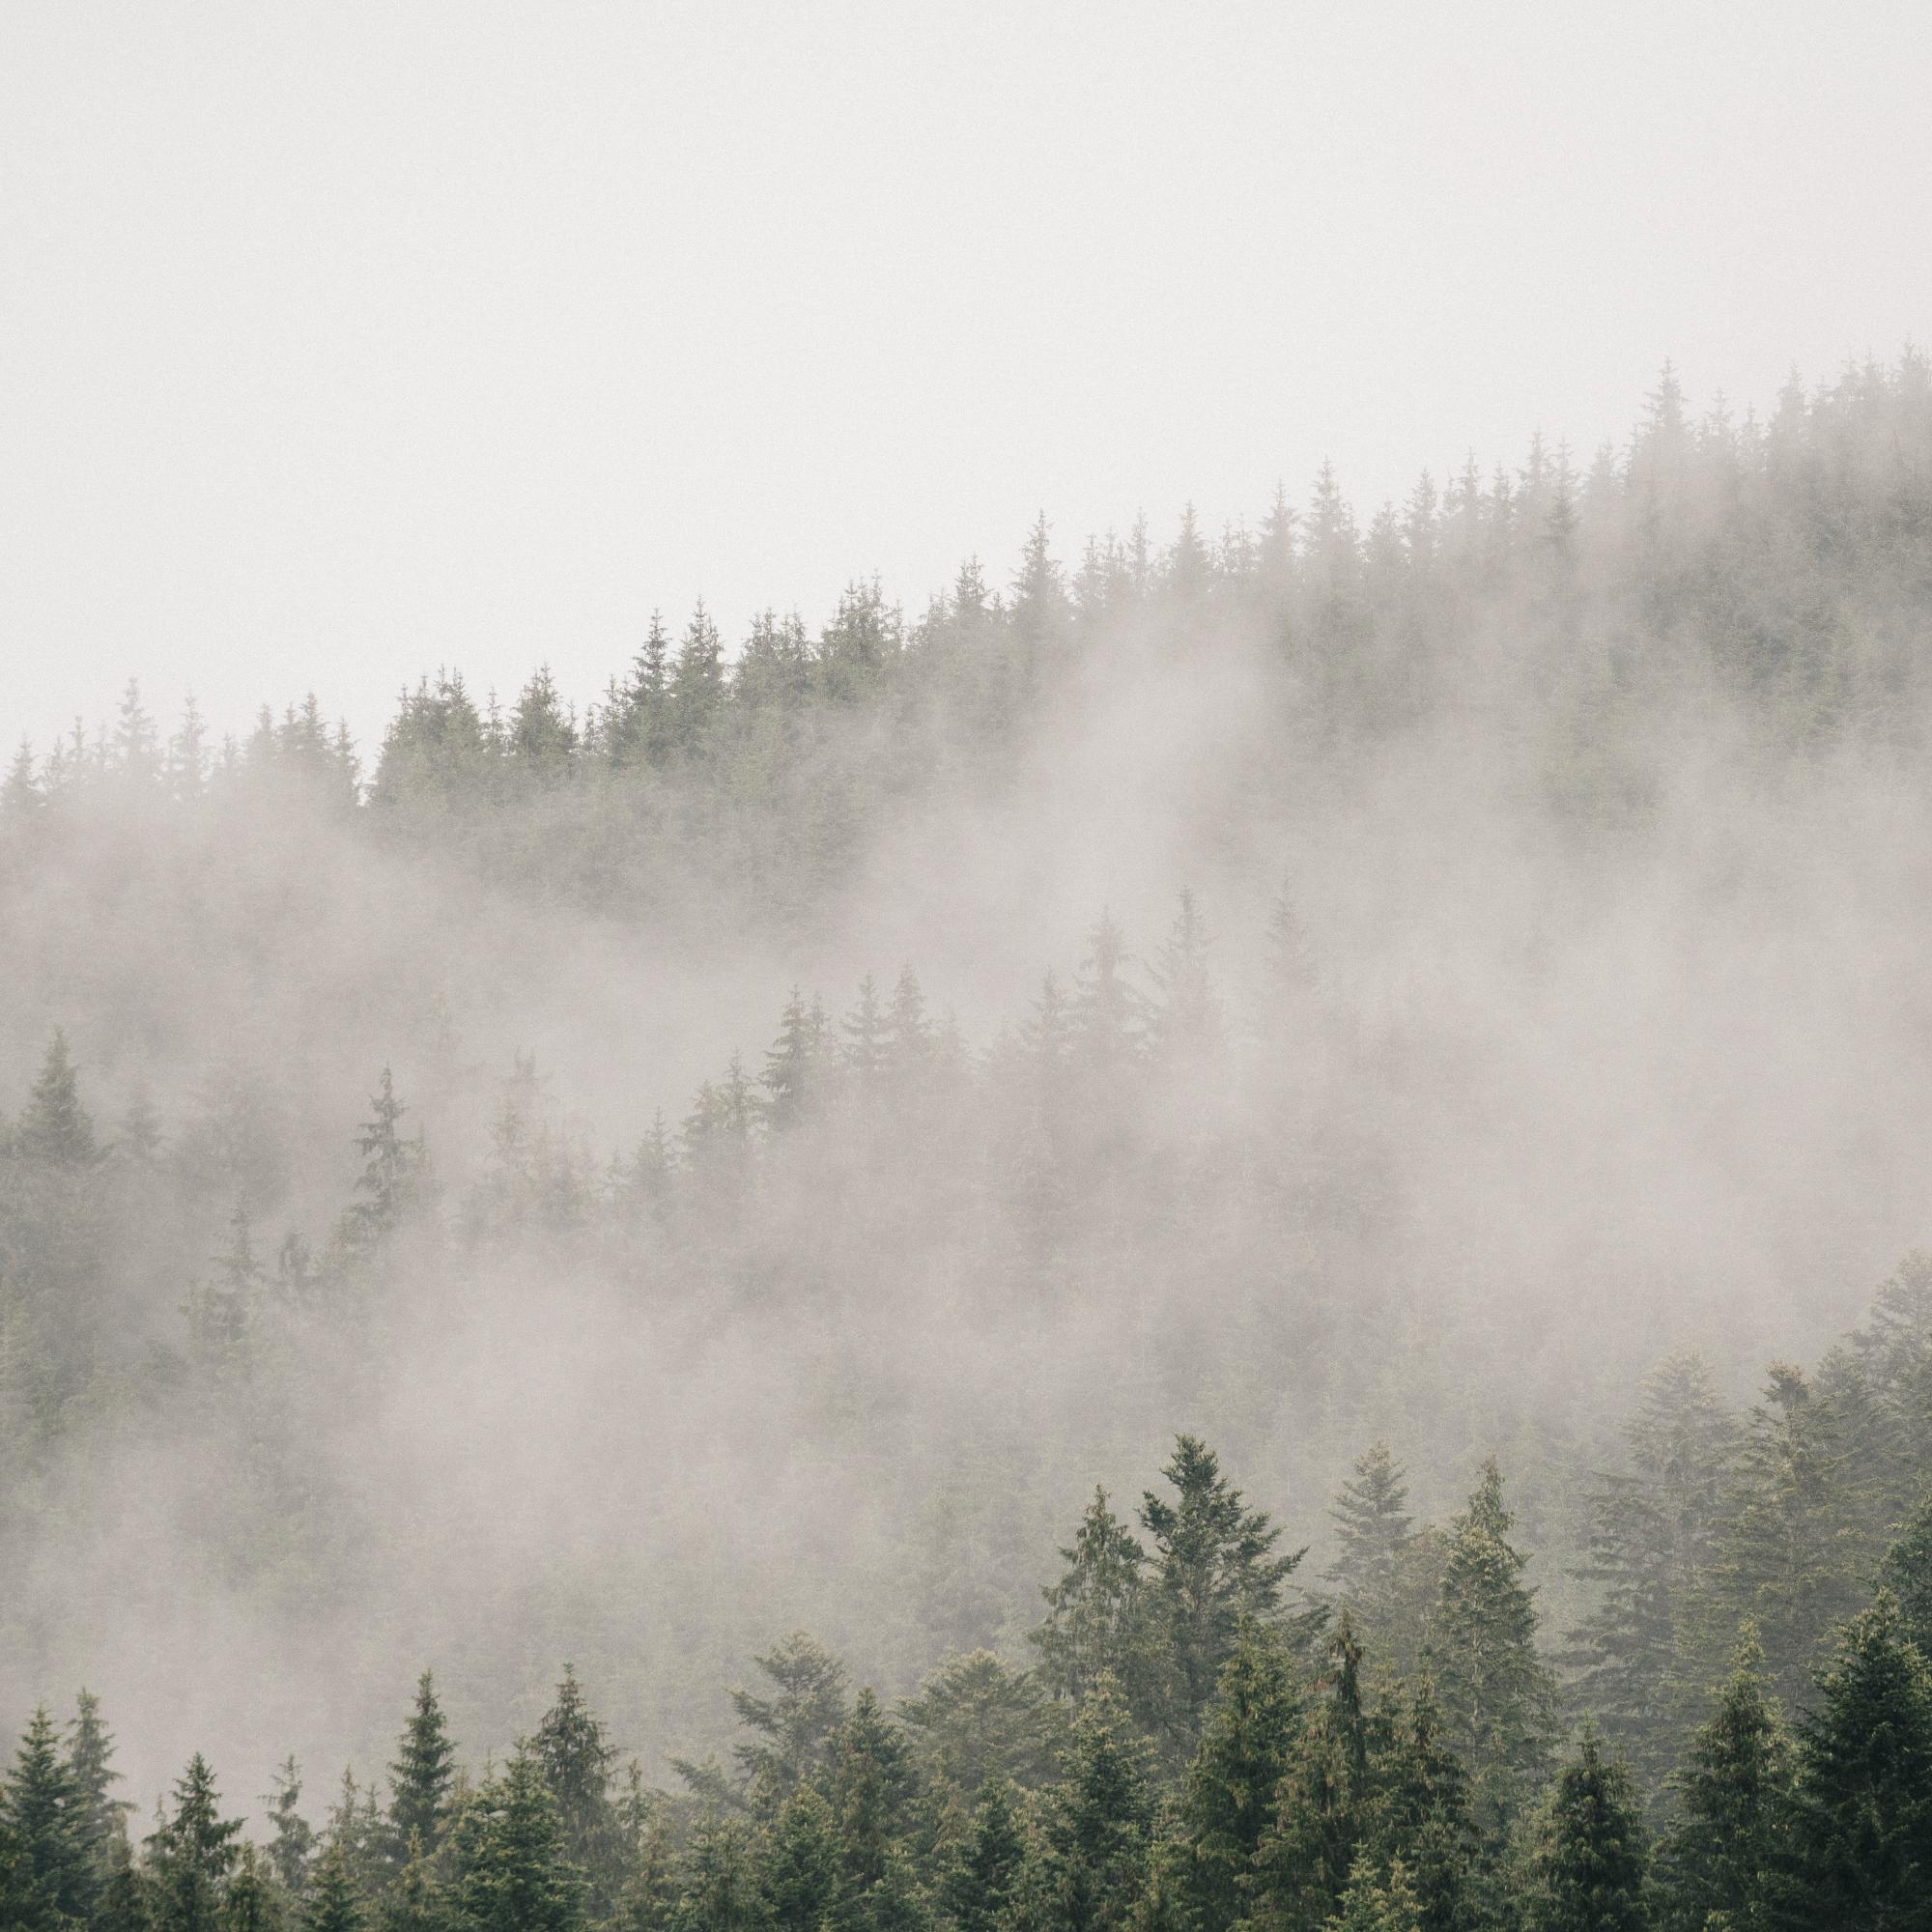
x=1227, y=1802
x=1860, y=1833
x=799, y=1880
x=416, y=1901
x=1370, y=1511
x=1091, y=1863
x=192, y=1853
x=1214, y=1563
x=718, y=1887
x=421, y=1775
x=1378, y=1900
x=1590, y=1868
x=508, y=1845
x=332, y=1904
x=1498, y=1698
x=54, y=1129
x=254, y=1902
x=981, y=1880
x=1100, y=1618
x=1720, y=1860
x=575, y=1757
x=794, y=1725
x=292, y=1839
x=872, y=1784
x=53, y=1878
x=90, y=1759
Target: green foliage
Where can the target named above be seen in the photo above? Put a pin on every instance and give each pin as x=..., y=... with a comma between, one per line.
x=1723, y=1854
x=332, y=1903
x=192, y=1853
x=421, y=1775
x=49, y=1877
x=1860, y=1831
x=1590, y=1867
x=1097, y=1833
x=795, y=1724
x=55, y=1129
x=1499, y=1698
x=511, y=1871
x=981, y=1880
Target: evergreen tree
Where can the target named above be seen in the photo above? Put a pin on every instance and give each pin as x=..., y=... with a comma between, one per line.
x=1100, y=1618
x=1227, y=1802
x=791, y=1066
x=1091, y=1863
x=512, y=1874
x=1722, y=1857
x=801, y=1876
x=253, y=1903
x=717, y=1888
x=191, y=1855
x=1186, y=1025
x=697, y=682
x=1654, y=1534
x=293, y=1841
x=51, y=1879
x=331, y=1904
x=575, y=1757
x=55, y=1128
x=871, y=1786
x=1860, y=1833
x=1591, y=1866
x=1214, y=1563
x=795, y=1724
x=1497, y=1695
x=1375, y=1527
x=1907, y=1573
x=980, y=1883
x=1380, y=1901
x=90, y=1762
x=416, y=1902
x=421, y=1775
x=391, y=1169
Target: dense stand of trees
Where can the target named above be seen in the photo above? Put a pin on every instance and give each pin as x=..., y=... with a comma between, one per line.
x=833, y=1339
x=1186, y=1749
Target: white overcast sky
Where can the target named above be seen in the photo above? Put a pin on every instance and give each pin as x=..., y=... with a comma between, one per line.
x=338, y=341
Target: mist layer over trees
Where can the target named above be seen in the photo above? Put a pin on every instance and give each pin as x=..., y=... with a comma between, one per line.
x=1429, y=1005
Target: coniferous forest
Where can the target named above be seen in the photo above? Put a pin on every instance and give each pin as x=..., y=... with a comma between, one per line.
x=1222, y=1233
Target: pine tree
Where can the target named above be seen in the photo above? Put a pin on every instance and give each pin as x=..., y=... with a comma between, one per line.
x=508, y=1845
x=421, y=1775
x=1214, y=1563
x=795, y=1726
x=331, y=1904
x=292, y=1843
x=575, y=1756
x=1421, y=1813
x=55, y=1128
x=1100, y=1618
x=1723, y=1855
x=20, y=794
x=253, y=1903
x=53, y=1878
x=90, y=1761
x=981, y=1880
x=1097, y=1834
x=1497, y=1695
x=790, y=1066
x=1591, y=1866
x=391, y=1169
x=645, y=733
x=1376, y=1528
x=192, y=1853
x=1907, y=1573
x=865, y=1036
x=1860, y=1833
x=1227, y=1802
x=799, y=1880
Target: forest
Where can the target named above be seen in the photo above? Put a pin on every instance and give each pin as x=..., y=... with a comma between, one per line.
x=1133, y=1252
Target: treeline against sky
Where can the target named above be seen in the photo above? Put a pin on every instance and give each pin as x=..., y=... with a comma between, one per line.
x=1190, y=1743
x=502, y=1195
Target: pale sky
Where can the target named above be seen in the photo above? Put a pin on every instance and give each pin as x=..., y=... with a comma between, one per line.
x=338, y=341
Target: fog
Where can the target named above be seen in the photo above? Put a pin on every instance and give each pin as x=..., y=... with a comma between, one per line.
x=1561, y=859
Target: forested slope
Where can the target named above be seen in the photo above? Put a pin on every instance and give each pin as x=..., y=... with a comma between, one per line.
x=750, y=1149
